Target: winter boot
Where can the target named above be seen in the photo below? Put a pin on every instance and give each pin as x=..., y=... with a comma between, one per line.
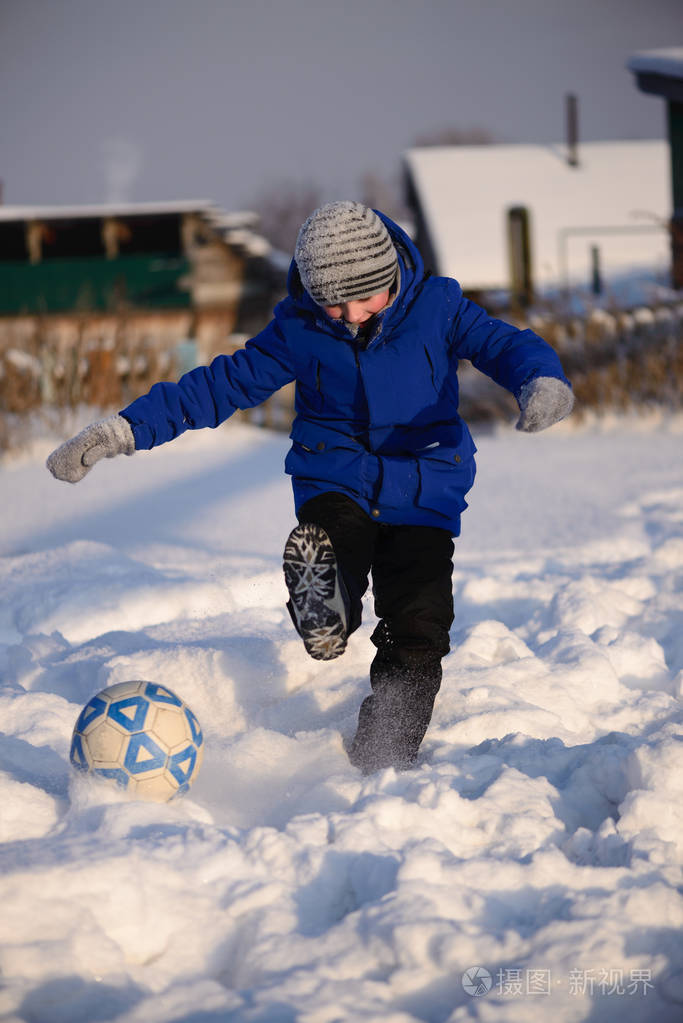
x=392, y=722
x=318, y=604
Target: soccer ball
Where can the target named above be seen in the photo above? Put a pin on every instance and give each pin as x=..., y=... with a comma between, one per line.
x=140, y=736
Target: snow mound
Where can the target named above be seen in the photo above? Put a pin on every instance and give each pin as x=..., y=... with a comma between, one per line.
x=538, y=841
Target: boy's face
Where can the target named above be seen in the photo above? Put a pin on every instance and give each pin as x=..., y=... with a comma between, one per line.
x=359, y=310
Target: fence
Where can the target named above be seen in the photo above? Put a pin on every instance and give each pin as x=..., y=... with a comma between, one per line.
x=615, y=360
x=622, y=359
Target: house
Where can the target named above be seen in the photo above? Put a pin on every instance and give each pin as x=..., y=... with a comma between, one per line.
x=541, y=218
x=196, y=269
x=660, y=73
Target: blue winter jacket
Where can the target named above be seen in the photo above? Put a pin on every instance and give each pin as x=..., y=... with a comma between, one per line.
x=377, y=420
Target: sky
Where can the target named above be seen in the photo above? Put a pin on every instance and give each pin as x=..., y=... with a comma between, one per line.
x=140, y=100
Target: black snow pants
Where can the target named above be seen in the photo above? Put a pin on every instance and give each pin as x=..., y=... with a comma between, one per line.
x=411, y=569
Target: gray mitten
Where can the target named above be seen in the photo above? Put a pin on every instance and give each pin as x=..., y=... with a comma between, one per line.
x=104, y=439
x=543, y=401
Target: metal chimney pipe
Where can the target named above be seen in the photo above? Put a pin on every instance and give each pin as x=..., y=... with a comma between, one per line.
x=572, y=109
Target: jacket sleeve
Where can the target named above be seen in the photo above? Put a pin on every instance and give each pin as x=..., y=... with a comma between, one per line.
x=209, y=395
x=510, y=356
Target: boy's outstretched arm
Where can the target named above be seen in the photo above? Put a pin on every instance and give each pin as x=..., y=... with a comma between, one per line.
x=518, y=360
x=205, y=396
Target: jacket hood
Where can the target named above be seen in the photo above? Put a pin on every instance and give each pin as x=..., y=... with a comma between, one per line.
x=411, y=274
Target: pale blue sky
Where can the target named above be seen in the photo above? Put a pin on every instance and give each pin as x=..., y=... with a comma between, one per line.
x=171, y=99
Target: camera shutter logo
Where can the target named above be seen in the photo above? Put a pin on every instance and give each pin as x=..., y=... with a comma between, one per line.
x=477, y=981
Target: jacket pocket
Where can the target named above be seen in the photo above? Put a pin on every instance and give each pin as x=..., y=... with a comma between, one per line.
x=325, y=455
x=432, y=370
x=309, y=387
x=437, y=364
x=446, y=475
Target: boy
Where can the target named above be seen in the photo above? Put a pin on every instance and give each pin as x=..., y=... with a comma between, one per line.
x=380, y=461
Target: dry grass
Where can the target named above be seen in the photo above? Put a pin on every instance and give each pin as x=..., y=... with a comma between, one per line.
x=624, y=361
x=616, y=361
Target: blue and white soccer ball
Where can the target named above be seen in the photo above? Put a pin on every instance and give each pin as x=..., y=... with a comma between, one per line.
x=140, y=736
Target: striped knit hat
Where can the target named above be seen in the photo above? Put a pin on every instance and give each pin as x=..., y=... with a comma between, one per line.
x=344, y=252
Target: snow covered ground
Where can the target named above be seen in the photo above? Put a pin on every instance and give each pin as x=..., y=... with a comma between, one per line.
x=536, y=847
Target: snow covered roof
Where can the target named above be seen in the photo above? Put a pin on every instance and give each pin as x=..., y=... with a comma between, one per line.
x=130, y=209
x=668, y=61
x=618, y=198
x=660, y=72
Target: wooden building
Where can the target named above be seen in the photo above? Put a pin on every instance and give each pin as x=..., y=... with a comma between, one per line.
x=97, y=302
